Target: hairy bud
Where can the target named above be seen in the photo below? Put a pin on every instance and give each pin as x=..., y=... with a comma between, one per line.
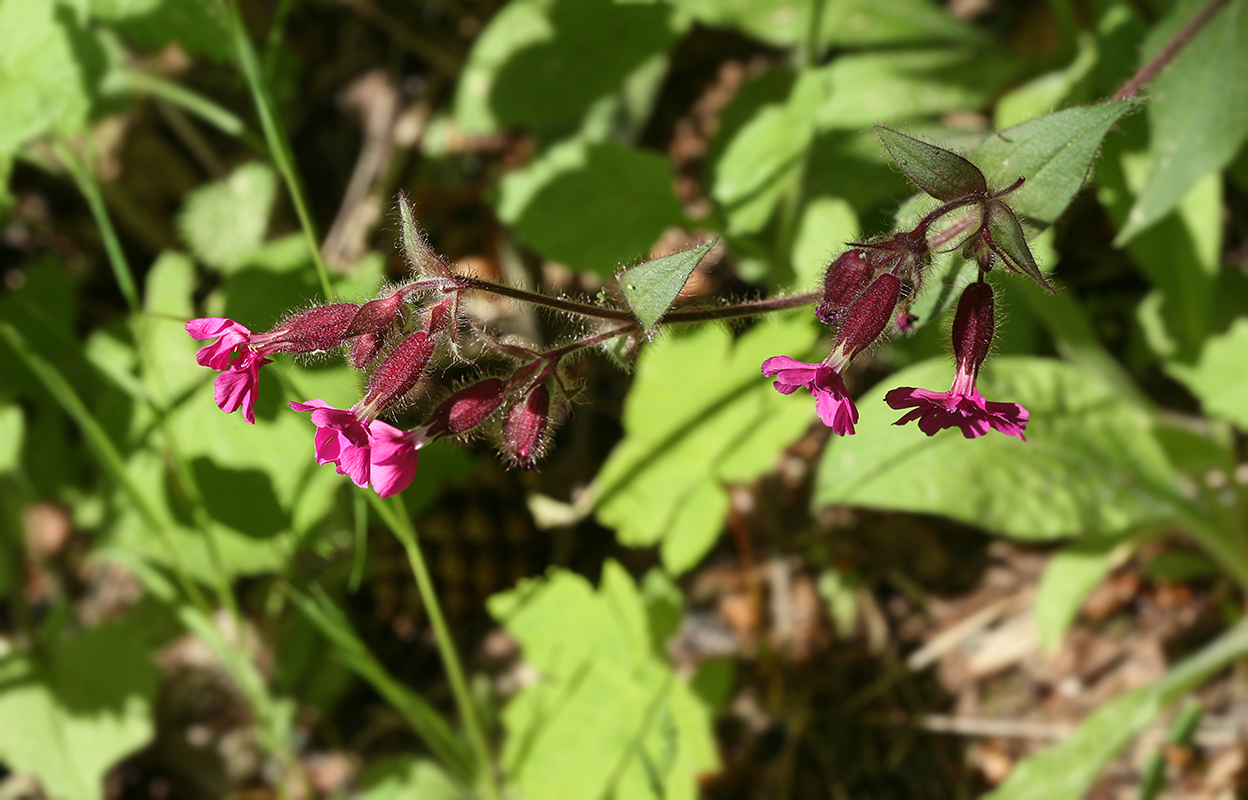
x=844, y=281
x=973, y=326
x=466, y=409
x=524, y=430
x=320, y=328
x=866, y=319
x=398, y=373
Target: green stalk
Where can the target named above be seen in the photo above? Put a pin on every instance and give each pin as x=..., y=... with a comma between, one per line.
x=394, y=514
x=279, y=147
x=90, y=189
x=174, y=94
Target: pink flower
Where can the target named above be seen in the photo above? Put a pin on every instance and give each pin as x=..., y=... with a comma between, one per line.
x=832, y=400
x=237, y=387
x=231, y=338
x=239, y=381
x=961, y=407
x=380, y=455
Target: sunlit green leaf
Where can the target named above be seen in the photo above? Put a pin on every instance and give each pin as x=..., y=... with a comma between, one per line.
x=941, y=173
x=651, y=287
x=68, y=719
x=591, y=206
x=528, y=68
x=1197, y=109
x=608, y=717
x=888, y=87
x=699, y=415
x=42, y=82
x=1054, y=153
x=406, y=778
x=1218, y=377
x=12, y=430
x=1010, y=242
x=1068, y=579
x=764, y=155
x=225, y=222
x=1090, y=464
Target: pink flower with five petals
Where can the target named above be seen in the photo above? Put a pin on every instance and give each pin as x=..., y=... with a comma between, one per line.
x=237, y=385
x=961, y=407
x=379, y=454
x=832, y=400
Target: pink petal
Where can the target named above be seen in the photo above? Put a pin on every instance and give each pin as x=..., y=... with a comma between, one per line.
x=394, y=459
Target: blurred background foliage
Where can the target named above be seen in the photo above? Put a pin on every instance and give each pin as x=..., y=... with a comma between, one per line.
x=698, y=594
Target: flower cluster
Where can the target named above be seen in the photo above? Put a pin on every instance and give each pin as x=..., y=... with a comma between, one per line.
x=395, y=339
x=870, y=286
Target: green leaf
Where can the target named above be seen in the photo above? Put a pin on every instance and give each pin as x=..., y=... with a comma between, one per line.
x=849, y=23
x=1067, y=770
x=69, y=719
x=591, y=206
x=764, y=156
x=199, y=26
x=528, y=66
x=1197, y=109
x=43, y=85
x=942, y=174
x=608, y=717
x=871, y=88
x=1090, y=465
x=699, y=415
x=224, y=223
x=1010, y=242
x=1218, y=377
x=1054, y=153
x=406, y=778
x=1068, y=579
x=12, y=430
x=651, y=287
x=828, y=224
x=1180, y=254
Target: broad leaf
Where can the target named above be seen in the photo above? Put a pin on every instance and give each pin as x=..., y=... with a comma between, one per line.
x=1068, y=579
x=12, y=430
x=71, y=718
x=1090, y=465
x=608, y=717
x=764, y=156
x=1218, y=378
x=870, y=88
x=941, y=173
x=699, y=415
x=529, y=65
x=1197, y=109
x=1054, y=153
x=591, y=206
x=651, y=287
x=224, y=223
x=43, y=85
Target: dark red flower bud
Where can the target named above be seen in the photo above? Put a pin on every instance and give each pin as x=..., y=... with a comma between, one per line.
x=524, y=430
x=466, y=409
x=868, y=316
x=844, y=281
x=376, y=315
x=973, y=326
x=438, y=317
x=365, y=348
x=398, y=373
x=320, y=328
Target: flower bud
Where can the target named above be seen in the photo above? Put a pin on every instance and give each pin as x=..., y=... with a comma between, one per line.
x=320, y=328
x=466, y=409
x=376, y=315
x=844, y=281
x=397, y=373
x=866, y=318
x=524, y=430
x=973, y=326
x=364, y=348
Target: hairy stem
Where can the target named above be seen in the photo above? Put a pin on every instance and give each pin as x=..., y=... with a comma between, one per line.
x=1158, y=62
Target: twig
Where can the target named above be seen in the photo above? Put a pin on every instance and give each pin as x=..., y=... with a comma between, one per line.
x=1167, y=54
